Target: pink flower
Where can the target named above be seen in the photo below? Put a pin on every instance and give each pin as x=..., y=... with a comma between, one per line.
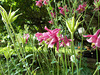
x=39, y=37
x=65, y=41
x=51, y=22
x=62, y=9
x=52, y=31
x=98, y=42
x=53, y=14
x=26, y=36
x=45, y=2
x=53, y=38
x=39, y=3
x=49, y=37
x=94, y=38
x=81, y=8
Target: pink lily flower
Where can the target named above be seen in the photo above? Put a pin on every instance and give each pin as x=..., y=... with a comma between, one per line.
x=81, y=8
x=39, y=37
x=62, y=9
x=98, y=42
x=39, y=3
x=53, y=38
x=49, y=37
x=65, y=41
x=93, y=38
x=52, y=31
x=26, y=36
x=42, y=36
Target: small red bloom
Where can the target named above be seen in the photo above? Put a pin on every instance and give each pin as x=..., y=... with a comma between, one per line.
x=51, y=22
x=26, y=36
x=81, y=8
x=62, y=9
x=45, y=2
x=39, y=3
x=53, y=14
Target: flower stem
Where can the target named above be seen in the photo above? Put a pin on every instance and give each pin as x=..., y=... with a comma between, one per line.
x=8, y=66
x=95, y=71
x=58, y=66
x=72, y=49
x=97, y=58
x=72, y=43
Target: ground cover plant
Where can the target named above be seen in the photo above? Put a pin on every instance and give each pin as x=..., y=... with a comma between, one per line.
x=68, y=45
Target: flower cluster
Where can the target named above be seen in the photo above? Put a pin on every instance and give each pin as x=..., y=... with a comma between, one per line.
x=40, y=3
x=94, y=38
x=51, y=38
x=81, y=8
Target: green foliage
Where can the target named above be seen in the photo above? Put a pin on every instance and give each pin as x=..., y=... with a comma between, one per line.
x=31, y=14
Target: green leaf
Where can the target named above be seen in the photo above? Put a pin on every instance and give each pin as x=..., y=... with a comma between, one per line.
x=50, y=8
x=53, y=62
x=9, y=14
x=76, y=25
x=4, y=14
x=33, y=72
x=68, y=25
x=35, y=48
x=29, y=55
x=73, y=22
x=14, y=18
x=12, y=14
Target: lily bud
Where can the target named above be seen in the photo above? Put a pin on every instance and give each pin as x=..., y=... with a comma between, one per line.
x=71, y=25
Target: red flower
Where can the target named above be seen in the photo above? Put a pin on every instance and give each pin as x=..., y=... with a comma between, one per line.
x=26, y=36
x=39, y=3
x=62, y=9
x=45, y=2
x=51, y=22
x=53, y=14
x=81, y=8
